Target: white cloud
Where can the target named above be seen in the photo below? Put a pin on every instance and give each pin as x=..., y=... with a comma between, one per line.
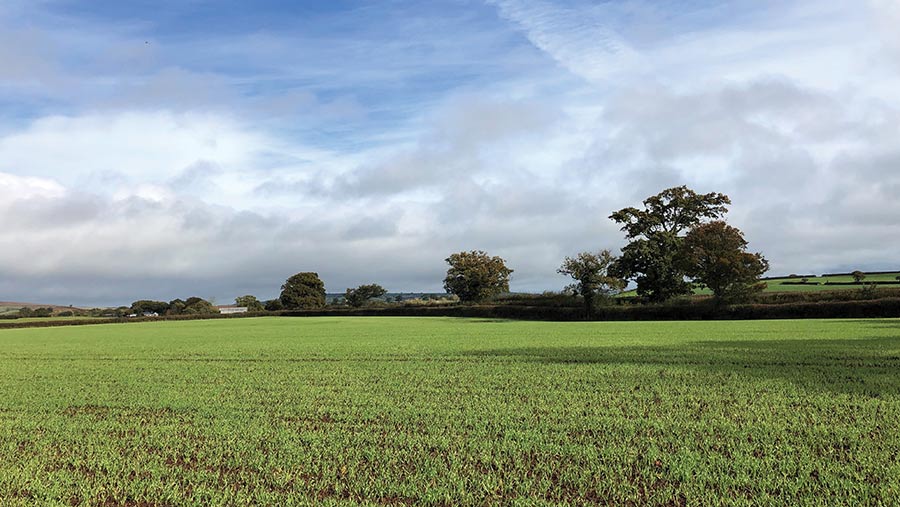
x=24, y=187
x=145, y=146
x=128, y=153
x=579, y=39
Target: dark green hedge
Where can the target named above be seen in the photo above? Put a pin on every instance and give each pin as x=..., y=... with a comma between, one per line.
x=53, y=322
x=864, y=272
x=881, y=308
x=885, y=307
x=826, y=295
x=875, y=282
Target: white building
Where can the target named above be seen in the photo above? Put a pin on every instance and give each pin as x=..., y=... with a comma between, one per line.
x=232, y=309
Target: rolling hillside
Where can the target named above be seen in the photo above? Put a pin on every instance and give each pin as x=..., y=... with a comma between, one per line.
x=9, y=307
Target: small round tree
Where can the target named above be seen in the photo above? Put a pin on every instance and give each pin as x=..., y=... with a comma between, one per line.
x=303, y=290
x=476, y=276
x=858, y=276
x=591, y=274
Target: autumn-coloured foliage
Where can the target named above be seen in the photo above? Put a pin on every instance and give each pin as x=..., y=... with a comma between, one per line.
x=652, y=258
x=715, y=255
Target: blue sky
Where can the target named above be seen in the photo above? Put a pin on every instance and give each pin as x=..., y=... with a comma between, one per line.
x=389, y=60
x=164, y=149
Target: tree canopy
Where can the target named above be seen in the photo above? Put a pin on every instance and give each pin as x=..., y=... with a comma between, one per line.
x=146, y=305
x=274, y=305
x=715, y=255
x=592, y=278
x=476, y=276
x=197, y=305
x=361, y=295
x=303, y=290
x=653, y=257
x=671, y=211
x=35, y=312
x=250, y=302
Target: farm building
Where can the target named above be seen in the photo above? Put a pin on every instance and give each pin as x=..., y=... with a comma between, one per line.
x=232, y=309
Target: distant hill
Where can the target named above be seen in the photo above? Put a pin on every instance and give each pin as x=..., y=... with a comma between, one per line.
x=7, y=307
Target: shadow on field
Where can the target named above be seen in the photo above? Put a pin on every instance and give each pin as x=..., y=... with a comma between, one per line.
x=873, y=323
x=867, y=366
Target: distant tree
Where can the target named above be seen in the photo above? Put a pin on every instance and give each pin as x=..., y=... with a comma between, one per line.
x=145, y=305
x=475, y=276
x=592, y=279
x=303, y=290
x=361, y=295
x=715, y=254
x=66, y=313
x=176, y=307
x=399, y=298
x=274, y=305
x=897, y=278
x=252, y=304
x=652, y=258
x=198, y=306
x=858, y=276
x=25, y=312
x=42, y=312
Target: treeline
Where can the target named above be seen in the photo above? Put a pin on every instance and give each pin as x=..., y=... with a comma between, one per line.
x=190, y=306
x=26, y=312
x=43, y=312
x=676, y=242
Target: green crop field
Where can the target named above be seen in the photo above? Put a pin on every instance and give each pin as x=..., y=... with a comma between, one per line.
x=407, y=411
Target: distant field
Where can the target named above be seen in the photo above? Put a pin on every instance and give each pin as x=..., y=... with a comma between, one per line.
x=7, y=307
x=406, y=411
x=778, y=284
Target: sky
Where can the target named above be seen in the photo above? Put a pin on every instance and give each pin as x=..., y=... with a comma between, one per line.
x=162, y=149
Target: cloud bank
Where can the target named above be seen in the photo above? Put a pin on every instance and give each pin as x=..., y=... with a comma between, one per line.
x=145, y=159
